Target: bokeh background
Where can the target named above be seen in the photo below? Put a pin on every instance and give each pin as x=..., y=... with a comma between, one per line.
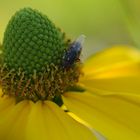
x=105, y=23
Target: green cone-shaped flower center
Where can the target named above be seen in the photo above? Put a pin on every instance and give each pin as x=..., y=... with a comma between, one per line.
x=32, y=41
x=33, y=52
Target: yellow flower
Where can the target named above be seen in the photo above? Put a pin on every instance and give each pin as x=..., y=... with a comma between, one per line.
x=110, y=104
x=44, y=94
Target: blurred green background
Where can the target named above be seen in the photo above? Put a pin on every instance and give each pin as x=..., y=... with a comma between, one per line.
x=105, y=23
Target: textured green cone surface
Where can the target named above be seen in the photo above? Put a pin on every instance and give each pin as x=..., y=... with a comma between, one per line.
x=31, y=66
x=32, y=42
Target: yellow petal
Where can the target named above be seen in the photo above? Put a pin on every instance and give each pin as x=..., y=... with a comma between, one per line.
x=13, y=119
x=48, y=121
x=116, y=70
x=112, y=116
x=38, y=121
x=97, y=134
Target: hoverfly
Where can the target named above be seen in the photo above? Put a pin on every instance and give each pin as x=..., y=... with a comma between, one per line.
x=73, y=53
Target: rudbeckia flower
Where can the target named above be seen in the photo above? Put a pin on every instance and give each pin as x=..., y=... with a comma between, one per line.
x=47, y=94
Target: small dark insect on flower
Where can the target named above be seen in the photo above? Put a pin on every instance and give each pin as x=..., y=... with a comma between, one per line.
x=73, y=53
